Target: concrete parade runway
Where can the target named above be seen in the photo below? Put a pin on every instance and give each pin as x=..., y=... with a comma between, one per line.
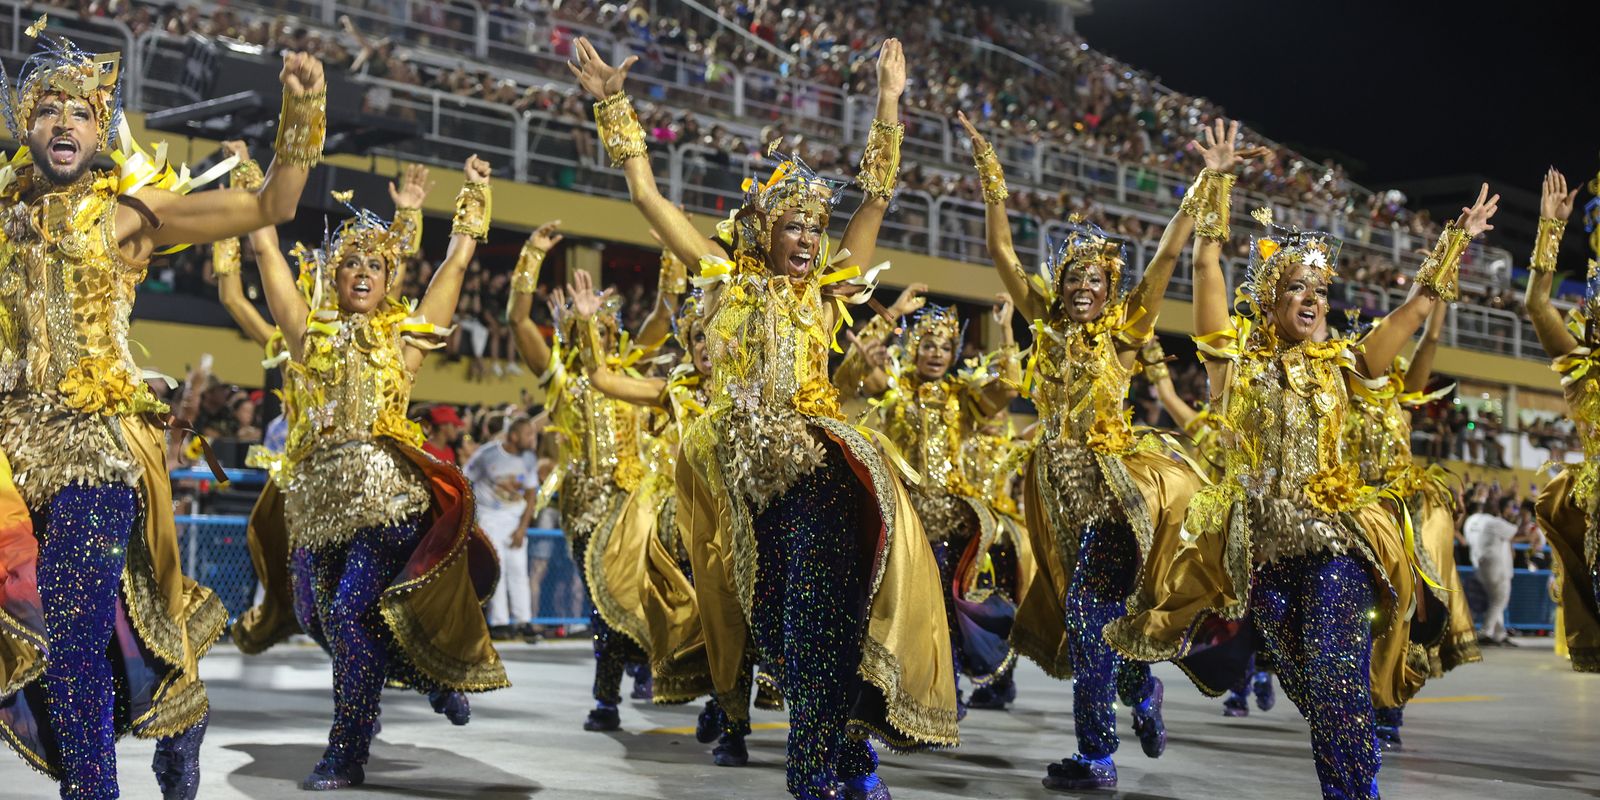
x=1519, y=725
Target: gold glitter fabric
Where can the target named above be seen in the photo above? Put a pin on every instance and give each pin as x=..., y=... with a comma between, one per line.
x=52, y=445
x=337, y=490
x=619, y=129
x=880, y=159
x=1566, y=519
x=599, y=442
x=302, y=128
x=1547, y=244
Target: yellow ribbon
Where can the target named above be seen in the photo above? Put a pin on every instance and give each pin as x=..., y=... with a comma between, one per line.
x=892, y=453
x=1409, y=536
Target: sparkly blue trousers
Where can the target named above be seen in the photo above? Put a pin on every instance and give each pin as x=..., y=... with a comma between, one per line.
x=1313, y=614
x=810, y=616
x=347, y=581
x=613, y=650
x=1102, y=577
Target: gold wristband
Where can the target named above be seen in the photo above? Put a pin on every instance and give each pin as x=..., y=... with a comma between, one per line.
x=990, y=174
x=1209, y=202
x=407, y=226
x=619, y=128
x=1547, y=244
x=880, y=161
x=473, y=206
x=302, y=127
x=877, y=329
x=674, y=277
x=225, y=257
x=588, y=334
x=1157, y=372
x=525, y=279
x=1441, y=271
x=246, y=175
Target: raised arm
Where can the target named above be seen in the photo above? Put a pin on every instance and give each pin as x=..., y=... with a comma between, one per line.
x=471, y=226
x=671, y=283
x=997, y=225
x=205, y=217
x=864, y=368
x=997, y=394
x=1555, y=207
x=284, y=300
x=1211, y=306
x=531, y=344
x=225, y=260
x=1421, y=369
x=624, y=142
x=638, y=391
x=1156, y=371
x=1437, y=279
x=880, y=159
x=408, y=196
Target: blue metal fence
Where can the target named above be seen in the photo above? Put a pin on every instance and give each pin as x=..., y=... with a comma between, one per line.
x=1531, y=608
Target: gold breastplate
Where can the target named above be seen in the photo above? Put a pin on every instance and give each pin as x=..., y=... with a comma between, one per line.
x=925, y=424
x=599, y=436
x=1079, y=384
x=1378, y=436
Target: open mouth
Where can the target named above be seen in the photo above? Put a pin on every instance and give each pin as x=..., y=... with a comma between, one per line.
x=800, y=263
x=1307, y=316
x=63, y=150
x=1082, y=301
x=361, y=288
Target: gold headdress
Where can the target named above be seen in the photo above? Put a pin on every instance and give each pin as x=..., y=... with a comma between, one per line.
x=61, y=67
x=1281, y=247
x=940, y=322
x=365, y=233
x=793, y=186
x=691, y=310
x=1086, y=246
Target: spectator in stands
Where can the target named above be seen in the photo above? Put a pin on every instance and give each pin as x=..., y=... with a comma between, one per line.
x=1489, y=531
x=505, y=480
x=444, y=428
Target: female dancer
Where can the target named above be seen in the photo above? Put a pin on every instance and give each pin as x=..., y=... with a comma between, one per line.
x=1566, y=507
x=1292, y=535
x=397, y=568
x=800, y=538
x=1378, y=438
x=929, y=414
x=1098, y=498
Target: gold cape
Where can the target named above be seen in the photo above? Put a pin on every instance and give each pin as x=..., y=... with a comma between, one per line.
x=1573, y=537
x=905, y=654
x=1438, y=534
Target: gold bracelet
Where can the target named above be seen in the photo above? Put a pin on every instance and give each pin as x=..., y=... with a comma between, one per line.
x=880, y=161
x=1209, y=201
x=619, y=128
x=674, y=276
x=877, y=329
x=473, y=205
x=246, y=175
x=1547, y=244
x=588, y=334
x=407, y=227
x=1441, y=271
x=990, y=174
x=1157, y=372
x=525, y=278
x=225, y=257
x=302, y=128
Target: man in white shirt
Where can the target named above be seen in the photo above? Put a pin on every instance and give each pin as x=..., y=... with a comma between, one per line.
x=505, y=480
x=1489, y=538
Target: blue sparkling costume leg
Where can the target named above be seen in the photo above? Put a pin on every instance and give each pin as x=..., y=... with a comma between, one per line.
x=613, y=650
x=948, y=556
x=303, y=587
x=809, y=617
x=82, y=545
x=1313, y=613
x=1101, y=579
x=357, y=573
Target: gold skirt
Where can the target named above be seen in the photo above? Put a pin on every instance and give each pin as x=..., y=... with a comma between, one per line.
x=1571, y=533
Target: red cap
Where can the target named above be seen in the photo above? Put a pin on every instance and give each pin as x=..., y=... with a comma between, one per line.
x=445, y=415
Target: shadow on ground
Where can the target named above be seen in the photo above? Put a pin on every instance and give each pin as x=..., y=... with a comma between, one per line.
x=397, y=770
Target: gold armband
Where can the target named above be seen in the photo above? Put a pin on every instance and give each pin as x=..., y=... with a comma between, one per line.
x=1209, y=201
x=619, y=128
x=525, y=278
x=1547, y=244
x=246, y=175
x=408, y=224
x=877, y=329
x=472, y=211
x=880, y=161
x=225, y=257
x=1157, y=372
x=674, y=277
x=588, y=335
x=1441, y=271
x=990, y=174
x=302, y=127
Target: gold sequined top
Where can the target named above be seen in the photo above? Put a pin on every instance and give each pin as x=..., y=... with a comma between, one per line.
x=1206, y=443
x=598, y=440
x=1579, y=371
x=991, y=460
x=66, y=374
x=928, y=423
x=351, y=389
x=1378, y=432
x=1078, y=381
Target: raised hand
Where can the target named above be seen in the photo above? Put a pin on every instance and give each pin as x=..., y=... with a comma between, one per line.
x=876, y=354
x=302, y=73
x=234, y=147
x=599, y=79
x=1220, y=150
x=545, y=237
x=909, y=301
x=1475, y=220
x=891, y=68
x=413, y=187
x=585, y=300
x=1555, y=202
x=557, y=301
x=978, y=140
x=1004, y=311
x=477, y=169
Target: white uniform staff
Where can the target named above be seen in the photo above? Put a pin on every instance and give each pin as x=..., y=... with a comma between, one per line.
x=505, y=478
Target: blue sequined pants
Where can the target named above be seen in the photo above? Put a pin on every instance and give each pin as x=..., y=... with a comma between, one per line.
x=810, y=616
x=613, y=650
x=348, y=580
x=1313, y=614
x=83, y=537
x=1102, y=577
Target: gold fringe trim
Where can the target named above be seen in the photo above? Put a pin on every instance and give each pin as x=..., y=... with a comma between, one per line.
x=1585, y=659
x=605, y=602
x=916, y=726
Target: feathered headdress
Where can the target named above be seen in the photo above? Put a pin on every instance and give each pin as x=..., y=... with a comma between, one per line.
x=1085, y=246
x=1283, y=246
x=60, y=67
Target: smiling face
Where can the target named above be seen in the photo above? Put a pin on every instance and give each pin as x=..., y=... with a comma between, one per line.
x=796, y=240
x=361, y=281
x=934, y=354
x=1084, y=290
x=64, y=137
x=1302, y=304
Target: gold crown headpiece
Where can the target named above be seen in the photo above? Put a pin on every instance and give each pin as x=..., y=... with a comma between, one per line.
x=364, y=233
x=691, y=310
x=792, y=186
x=1085, y=246
x=942, y=322
x=60, y=67
x=1280, y=247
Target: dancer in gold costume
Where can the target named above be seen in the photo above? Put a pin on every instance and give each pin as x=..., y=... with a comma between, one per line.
x=397, y=568
x=1567, y=507
x=801, y=540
